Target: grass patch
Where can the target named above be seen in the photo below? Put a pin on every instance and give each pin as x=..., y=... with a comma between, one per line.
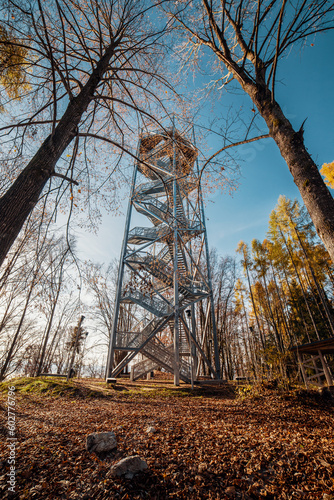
x=49, y=386
x=151, y=390
x=85, y=388
x=163, y=392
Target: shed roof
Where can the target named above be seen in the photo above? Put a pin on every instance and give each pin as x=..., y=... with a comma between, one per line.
x=325, y=346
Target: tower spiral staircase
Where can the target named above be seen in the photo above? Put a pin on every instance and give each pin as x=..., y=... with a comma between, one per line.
x=164, y=310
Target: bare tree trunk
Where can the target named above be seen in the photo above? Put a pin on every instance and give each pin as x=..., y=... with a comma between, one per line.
x=277, y=335
x=52, y=346
x=18, y=330
x=300, y=284
x=315, y=194
x=47, y=333
x=18, y=202
x=281, y=304
x=262, y=337
x=319, y=289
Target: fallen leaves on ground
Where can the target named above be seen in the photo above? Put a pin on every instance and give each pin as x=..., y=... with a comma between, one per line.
x=207, y=444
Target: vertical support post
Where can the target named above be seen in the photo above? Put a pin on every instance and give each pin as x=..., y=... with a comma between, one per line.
x=213, y=318
x=192, y=327
x=212, y=307
x=175, y=271
x=302, y=369
x=329, y=379
x=112, y=339
x=192, y=346
x=194, y=350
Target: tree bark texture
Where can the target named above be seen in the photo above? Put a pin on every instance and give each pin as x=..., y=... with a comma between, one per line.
x=21, y=198
x=315, y=194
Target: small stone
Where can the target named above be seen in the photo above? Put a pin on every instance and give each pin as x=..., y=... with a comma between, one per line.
x=101, y=442
x=151, y=430
x=128, y=467
x=64, y=483
x=230, y=490
x=36, y=488
x=202, y=467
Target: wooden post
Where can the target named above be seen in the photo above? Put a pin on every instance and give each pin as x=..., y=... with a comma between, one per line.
x=329, y=379
x=300, y=360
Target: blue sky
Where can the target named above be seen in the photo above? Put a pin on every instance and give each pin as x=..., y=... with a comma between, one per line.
x=305, y=90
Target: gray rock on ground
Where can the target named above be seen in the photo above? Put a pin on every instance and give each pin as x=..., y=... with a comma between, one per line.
x=202, y=467
x=101, y=442
x=151, y=429
x=230, y=491
x=128, y=467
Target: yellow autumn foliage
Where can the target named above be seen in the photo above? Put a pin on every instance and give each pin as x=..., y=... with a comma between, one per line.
x=327, y=171
x=13, y=75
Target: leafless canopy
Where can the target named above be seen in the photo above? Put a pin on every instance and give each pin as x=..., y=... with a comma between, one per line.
x=66, y=43
x=249, y=37
x=244, y=41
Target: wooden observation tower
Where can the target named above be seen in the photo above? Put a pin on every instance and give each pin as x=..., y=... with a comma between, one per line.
x=164, y=303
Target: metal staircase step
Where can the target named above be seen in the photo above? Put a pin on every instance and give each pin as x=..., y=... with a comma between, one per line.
x=143, y=367
x=149, y=206
x=165, y=358
x=159, y=270
x=183, y=339
x=136, y=342
x=139, y=235
x=150, y=303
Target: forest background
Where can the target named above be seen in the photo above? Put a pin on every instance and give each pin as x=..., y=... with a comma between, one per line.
x=40, y=311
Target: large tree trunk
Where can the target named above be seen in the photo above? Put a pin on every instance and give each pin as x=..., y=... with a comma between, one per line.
x=315, y=194
x=18, y=202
